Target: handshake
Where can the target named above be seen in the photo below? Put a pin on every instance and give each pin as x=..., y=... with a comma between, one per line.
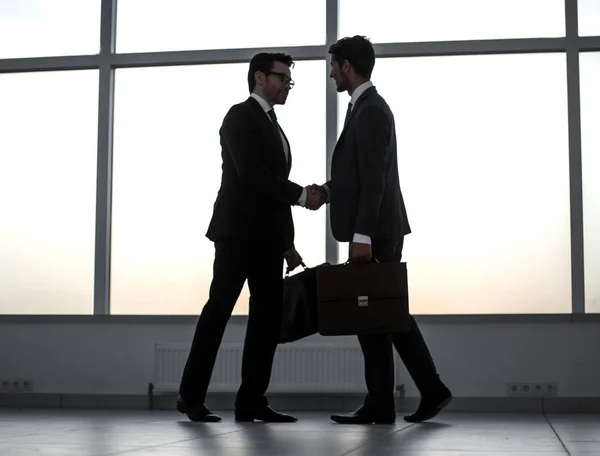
x=316, y=196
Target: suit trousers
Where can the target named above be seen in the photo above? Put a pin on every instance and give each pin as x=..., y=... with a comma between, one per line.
x=378, y=355
x=236, y=261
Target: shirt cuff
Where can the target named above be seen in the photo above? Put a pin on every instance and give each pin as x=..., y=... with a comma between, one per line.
x=302, y=200
x=328, y=191
x=361, y=239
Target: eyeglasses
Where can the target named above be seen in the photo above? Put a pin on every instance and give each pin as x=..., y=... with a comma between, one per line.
x=284, y=78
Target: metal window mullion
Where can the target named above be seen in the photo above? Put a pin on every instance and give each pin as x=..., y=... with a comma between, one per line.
x=470, y=47
x=59, y=63
x=216, y=56
x=575, y=167
x=331, y=119
x=104, y=163
x=416, y=49
x=589, y=43
x=210, y=56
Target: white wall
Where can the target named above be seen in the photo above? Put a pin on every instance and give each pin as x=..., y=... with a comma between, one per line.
x=474, y=359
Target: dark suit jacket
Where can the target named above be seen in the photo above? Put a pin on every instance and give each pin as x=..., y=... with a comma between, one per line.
x=254, y=200
x=365, y=186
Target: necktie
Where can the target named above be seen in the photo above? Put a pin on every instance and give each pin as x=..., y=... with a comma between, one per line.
x=273, y=116
x=348, y=113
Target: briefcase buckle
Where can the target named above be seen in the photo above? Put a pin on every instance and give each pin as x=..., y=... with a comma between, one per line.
x=363, y=301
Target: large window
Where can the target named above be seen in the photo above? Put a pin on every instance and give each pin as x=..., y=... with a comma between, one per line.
x=590, y=136
x=167, y=170
x=483, y=144
x=483, y=161
x=151, y=25
x=37, y=28
x=48, y=186
x=386, y=21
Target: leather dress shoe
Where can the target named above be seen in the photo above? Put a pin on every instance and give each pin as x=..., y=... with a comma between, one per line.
x=263, y=413
x=365, y=415
x=430, y=406
x=198, y=413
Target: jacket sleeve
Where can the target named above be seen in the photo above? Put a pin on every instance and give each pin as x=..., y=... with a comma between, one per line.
x=327, y=187
x=372, y=132
x=240, y=134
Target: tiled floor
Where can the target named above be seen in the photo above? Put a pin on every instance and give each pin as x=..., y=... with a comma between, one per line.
x=140, y=433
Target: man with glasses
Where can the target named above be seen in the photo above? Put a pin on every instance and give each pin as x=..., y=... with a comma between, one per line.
x=253, y=232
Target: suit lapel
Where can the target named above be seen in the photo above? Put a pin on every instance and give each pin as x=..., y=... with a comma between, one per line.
x=270, y=126
x=364, y=95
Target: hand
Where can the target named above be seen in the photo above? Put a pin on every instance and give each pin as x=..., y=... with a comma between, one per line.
x=323, y=192
x=316, y=196
x=360, y=253
x=292, y=258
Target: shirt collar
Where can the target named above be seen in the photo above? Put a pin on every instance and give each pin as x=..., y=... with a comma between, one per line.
x=359, y=91
x=262, y=102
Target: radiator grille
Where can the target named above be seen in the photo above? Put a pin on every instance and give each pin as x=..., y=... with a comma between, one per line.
x=296, y=369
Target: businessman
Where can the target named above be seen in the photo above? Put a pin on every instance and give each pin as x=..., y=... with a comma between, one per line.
x=367, y=209
x=253, y=232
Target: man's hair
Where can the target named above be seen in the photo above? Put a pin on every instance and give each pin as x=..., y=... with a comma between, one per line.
x=265, y=62
x=358, y=50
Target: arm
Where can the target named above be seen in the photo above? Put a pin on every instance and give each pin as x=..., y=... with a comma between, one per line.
x=241, y=141
x=371, y=134
x=358, y=238
x=302, y=200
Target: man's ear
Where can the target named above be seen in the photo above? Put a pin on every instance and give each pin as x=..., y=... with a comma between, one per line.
x=259, y=77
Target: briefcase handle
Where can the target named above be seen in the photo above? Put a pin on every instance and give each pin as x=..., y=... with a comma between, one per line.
x=287, y=270
x=373, y=260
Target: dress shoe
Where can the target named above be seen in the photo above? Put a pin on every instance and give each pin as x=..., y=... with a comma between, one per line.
x=197, y=412
x=263, y=413
x=365, y=415
x=430, y=406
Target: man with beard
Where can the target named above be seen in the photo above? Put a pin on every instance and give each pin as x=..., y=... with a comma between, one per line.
x=367, y=209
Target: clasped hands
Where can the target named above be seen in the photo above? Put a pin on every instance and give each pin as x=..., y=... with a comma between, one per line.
x=316, y=196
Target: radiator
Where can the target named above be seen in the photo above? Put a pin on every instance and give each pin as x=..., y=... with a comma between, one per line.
x=297, y=368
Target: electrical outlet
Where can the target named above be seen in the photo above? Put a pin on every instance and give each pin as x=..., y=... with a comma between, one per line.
x=5, y=385
x=548, y=389
x=513, y=389
x=536, y=389
x=16, y=385
x=27, y=385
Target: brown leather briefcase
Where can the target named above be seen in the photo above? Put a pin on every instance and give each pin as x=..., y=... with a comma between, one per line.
x=362, y=298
